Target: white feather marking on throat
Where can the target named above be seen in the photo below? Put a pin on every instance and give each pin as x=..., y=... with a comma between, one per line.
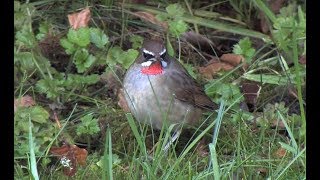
x=147, y=63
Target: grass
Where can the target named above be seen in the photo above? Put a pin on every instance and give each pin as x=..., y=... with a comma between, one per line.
x=229, y=144
x=33, y=163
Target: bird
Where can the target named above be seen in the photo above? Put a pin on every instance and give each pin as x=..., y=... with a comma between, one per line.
x=160, y=92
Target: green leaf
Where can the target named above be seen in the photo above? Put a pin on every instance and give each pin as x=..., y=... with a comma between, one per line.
x=242, y=116
x=25, y=59
x=115, y=160
x=78, y=80
x=174, y=13
x=36, y=113
x=170, y=48
x=113, y=54
x=191, y=70
x=39, y=114
x=90, y=61
x=21, y=147
x=244, y=48
x=175, y=10
x=269, y=79
x=98, y=37
x=43, y=130
x=21, y=123
x=45, y=162
x=125, y=58
x=289, y=27
x=68, y=46
x=128, y=57
x=89, y=125
x=16, y=6
x=136, y=41
x=43, y=31
x=224, y=91
x=302, y=18
x=51, y=87
x=21, y=20
x=288, y=11
x=162, y=16
x=90, y=79
x=25, y=37
x=83, y=60
x=288, y=148
x=177, y=27
x=81, y=36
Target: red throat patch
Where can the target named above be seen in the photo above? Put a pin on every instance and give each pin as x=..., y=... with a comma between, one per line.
x=153, y=69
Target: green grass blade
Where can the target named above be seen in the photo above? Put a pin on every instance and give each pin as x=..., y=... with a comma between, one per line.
x=193, y=143
x=293, y=141
x=226, y=27
x=264, y=8
x=299, y=87
x=217, y=128
x=213, y=153
x=33, y=162
x=290, y=163
x=231, y=28
x=215, y=165
x=268, y=79
x=137, y=135
x=185, y=152
x=107, y=157
x=46, y=152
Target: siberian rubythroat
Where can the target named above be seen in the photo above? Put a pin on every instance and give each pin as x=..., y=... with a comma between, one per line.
x=158, y=89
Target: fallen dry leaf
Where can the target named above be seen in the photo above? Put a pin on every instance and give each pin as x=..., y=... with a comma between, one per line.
x=213, y=67
x=70, y=156
x=80, y=19
x=139, y=1
x=262, y=171
x=202, y=149
x=233, y=59
x=226, y=66
x=264, y=25
x=279, y=124
x=25, y=101
x=251, y=92
x=275, y=6
x=122, y=101
x=56, y=119
x=150, y=18
x=280, y=153
x=293, y=92
x=51, y=48
x=112, y=82
x=302, y=59
x=198, y=40
x=244, y=106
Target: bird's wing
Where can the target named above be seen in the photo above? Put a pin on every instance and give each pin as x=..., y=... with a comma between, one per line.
x=186, y=89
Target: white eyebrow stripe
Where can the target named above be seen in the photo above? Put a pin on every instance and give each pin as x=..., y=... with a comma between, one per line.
x=163, y=51
x=148, y=52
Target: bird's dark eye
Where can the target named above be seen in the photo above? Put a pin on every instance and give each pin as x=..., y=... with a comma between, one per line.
x=147, y=56
x=163, y=55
